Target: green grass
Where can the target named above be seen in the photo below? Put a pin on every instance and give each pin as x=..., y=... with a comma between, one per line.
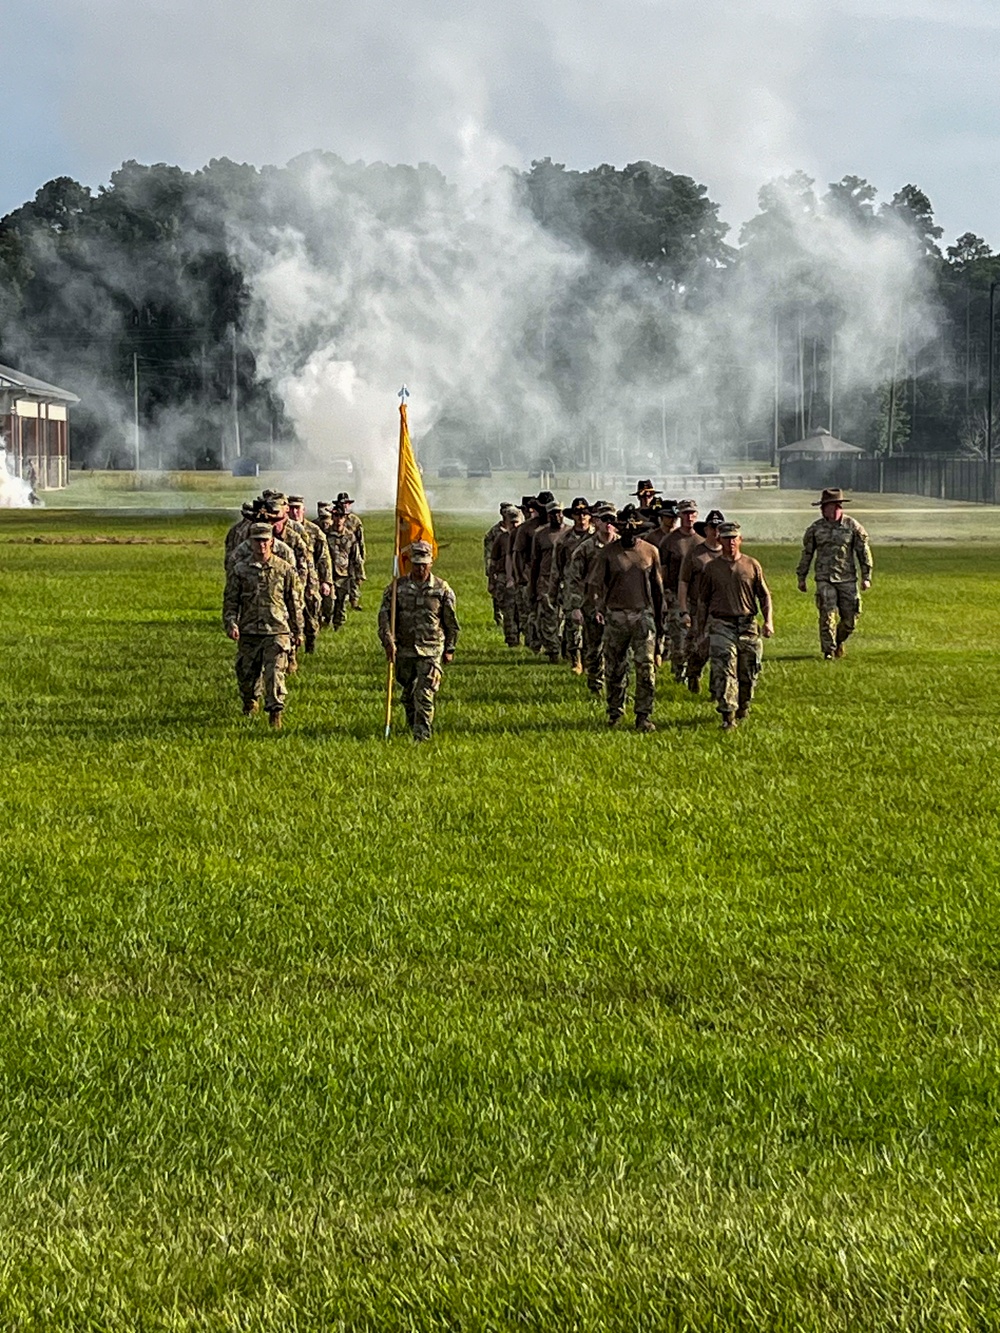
x=534, y=1027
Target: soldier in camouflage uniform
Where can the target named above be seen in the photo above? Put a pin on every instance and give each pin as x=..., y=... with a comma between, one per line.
x=533, y=508
x=357, y=529
x=502, y=574
x=241, y=529
x=315, y=539
x=666, y=520
x=570, y=539
x=344, y=557
x=627, y=589
x=672, y=552
x=690, y=603
x=734, y=591
x=547, y=611
x=423, y=637
x=840, y=545
x=262, y=613
x=324, y=522
x=495, y=589
x=580, y=606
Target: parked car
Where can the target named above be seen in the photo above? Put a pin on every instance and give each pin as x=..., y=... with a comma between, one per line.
x=451, y=467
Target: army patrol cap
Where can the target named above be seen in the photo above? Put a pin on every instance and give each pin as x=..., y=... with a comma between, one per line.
x=323, y=507
x=730, y=530
x=553, y=507
x=296, y=499
x=605, y=512
x=832, y=496
x=247, y=508
x=421, y=553
x=668, y=509
x=512, y=511
x=258, y=531
x=687, y=507
x=711, y=520
x=272, y=509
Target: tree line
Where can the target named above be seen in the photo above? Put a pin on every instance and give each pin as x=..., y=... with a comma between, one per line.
x=140, y=297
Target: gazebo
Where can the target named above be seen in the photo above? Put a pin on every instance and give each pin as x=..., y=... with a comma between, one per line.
x=819, y=444
x=34, y=428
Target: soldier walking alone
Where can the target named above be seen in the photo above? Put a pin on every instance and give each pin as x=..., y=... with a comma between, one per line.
x=840, y=545
x=426, y=631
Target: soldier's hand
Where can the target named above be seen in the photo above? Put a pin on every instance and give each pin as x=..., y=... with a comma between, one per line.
x=447, y=658
x=390, y=652
x=767, y=629
x=577, y=616
x=865, y=584
x=802, y=586
x=599, y=617
x=326, y=589
x=234, y=632
x=297, y=640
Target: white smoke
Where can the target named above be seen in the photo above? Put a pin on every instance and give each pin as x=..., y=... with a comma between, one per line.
x=15, y=492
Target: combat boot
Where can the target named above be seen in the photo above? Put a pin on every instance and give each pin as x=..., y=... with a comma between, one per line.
x=644, y=723
x=742, y=712
x=839, y=651
x=614, y=719
x=694, y=684
x=728, y=722
x=274, y=719
x=576, y=664
x=250, y=708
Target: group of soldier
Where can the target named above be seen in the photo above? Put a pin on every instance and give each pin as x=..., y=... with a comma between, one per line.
x=610, y=591
x=616, y=589
x=287, y=578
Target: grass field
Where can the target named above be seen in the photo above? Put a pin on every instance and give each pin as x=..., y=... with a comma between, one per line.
x=534, y=1027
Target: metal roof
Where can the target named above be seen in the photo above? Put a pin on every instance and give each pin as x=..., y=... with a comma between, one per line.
x=13, y=379
x=820, y=442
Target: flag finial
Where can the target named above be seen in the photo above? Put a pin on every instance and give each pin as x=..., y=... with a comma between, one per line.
x=403, y=394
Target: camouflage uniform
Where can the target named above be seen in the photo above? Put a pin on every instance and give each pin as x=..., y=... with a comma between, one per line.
x=548, y=612
x=836, y=546
x=245, y=551
x=319, y=553
x=526, y=610
x=496, y=590
x=264, y=600
x=568, y=542
x=426, y=628
x=236, y=535
x=343, y=550
x=575, y=598
x=675, y=547
x=357, y=529
x=733, y=592
x=627, y=588
x=502, y=577
x=698, y=650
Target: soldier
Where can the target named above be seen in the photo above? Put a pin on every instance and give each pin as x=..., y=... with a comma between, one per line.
x=645, y=493
x=424, y=636
x=666, y=521
x=839, y=543
x=539, y=581
x=502, y=574
x=320, y=552
x=627, y=590
x=533, y=508
x=241, y=529
x=324, y=522
x=343, y=558
x=262, y=613
x=495, y=589
x=733, y=588
x=355, y=526
x=569, y=540
x=672, y=552
x=690, y=604
x=580, y=606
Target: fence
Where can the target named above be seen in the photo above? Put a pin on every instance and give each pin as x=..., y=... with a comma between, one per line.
x=939, y=478
x=679, y=486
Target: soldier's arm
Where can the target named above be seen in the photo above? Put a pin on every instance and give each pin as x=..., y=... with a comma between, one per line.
x=763, y=593
x=384, y=620
x=293, y=603
x=805, y=559
x=449, y=622
x=231, y=602
x=863, y=550
x=321, y=556
x=361, y=542
x=575, y=574
x=683, y=583
x=656, y=590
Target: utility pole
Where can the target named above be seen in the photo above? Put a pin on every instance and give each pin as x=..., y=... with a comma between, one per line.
x=135, y=404
x=236, y=398
x=989, y=379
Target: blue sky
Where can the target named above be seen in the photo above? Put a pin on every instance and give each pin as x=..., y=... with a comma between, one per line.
x=731, y=93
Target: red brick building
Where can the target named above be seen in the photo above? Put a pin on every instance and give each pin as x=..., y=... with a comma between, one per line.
x=34, y=428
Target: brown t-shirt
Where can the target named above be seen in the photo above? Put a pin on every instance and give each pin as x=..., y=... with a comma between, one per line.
x=675, y=547
x=502, y=555
x=542, y=546
x=735, y=589
x=522, y=548
x=627, y=579
x=694, y=562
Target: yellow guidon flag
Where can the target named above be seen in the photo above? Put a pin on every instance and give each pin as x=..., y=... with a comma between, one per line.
x=413, y=513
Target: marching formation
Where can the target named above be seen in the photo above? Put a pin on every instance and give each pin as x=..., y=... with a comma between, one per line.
x=286, y=578
x=615, y=593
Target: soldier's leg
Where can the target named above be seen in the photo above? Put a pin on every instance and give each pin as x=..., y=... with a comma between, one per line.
x=497, y=596
x=326, y=609
x=249, y=668
x=406, y=675
x=593, y=652
x=615, y=646
x=341, y=588
x=848, y=608
x=310, y=615
x=275, y=654
x=749, y=656
x=644, y=653
x=722, y=658
x=697, y=651
x=354, y=586
x=678, y=644
x=548, y=627
x=826, y=605
x=573, y=643
x=508, y=611
x=427, y=682
x=533, y=637
x=524, y=613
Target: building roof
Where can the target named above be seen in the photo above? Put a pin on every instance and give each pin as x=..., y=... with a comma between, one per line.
x=14, y=379
x=820, y=443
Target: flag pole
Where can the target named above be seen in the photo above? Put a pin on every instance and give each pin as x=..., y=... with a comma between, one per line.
x=403, y=394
